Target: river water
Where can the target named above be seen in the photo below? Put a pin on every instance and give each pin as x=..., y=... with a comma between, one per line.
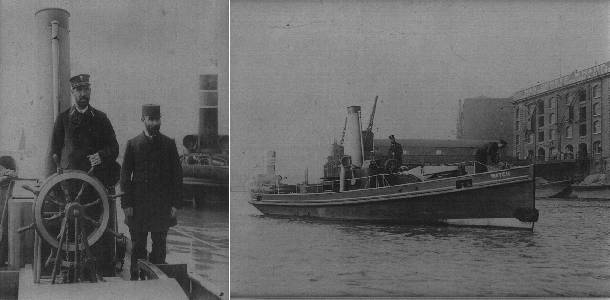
x=200, y=240
x=567, y=254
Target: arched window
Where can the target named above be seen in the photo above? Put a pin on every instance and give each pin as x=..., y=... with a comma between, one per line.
x=552, y=118
x=597, y=126
x=541, y=153
x=569, y=131
x=540, y=107
x=569, y=152
x=552, y=153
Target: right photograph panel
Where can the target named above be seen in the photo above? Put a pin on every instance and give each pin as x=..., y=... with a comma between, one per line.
x=419, y=148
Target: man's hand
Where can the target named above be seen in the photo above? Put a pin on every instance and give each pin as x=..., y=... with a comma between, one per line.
x=95, y=159
x=174, y=210
x=128, y=211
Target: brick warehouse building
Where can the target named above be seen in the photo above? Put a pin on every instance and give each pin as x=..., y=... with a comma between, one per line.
x=565, y=118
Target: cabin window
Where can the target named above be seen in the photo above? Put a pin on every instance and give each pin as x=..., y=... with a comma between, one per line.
x=583, y=129
x=569, y=131
x=597, y=127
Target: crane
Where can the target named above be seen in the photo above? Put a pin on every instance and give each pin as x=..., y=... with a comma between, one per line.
x=370, y=127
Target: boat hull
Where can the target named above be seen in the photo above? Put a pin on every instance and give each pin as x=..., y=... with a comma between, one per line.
x=553, y=189
x=500, y=198
x=595, y=192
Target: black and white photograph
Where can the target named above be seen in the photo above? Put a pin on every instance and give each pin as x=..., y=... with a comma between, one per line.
x=114, y=149
x=419, y=148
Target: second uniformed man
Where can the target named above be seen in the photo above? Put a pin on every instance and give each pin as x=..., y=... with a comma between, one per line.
x=151, y=178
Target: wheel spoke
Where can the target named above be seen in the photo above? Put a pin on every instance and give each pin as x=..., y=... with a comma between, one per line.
x=96, y=202
x=66, y=192
x=89, y=219
x=80, y=192
x=52, y=199
x=54, y=217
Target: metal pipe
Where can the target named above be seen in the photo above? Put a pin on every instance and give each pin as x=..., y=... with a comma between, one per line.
x=55, y=66
x=342, y=179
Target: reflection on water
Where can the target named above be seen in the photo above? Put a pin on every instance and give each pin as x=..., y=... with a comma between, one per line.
x=568, y=254
x=201, y=240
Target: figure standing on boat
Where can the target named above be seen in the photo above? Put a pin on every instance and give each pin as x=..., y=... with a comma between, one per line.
x=151, y=179
x=83, y=138
x=488, y=154
x=395, y=152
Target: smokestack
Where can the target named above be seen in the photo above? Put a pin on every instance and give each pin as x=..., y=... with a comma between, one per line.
x=52, y=68
x=208, y=111
x=270, y=163
x=353, y=136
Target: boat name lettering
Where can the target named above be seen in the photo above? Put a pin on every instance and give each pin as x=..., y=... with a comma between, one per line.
x=500, y=175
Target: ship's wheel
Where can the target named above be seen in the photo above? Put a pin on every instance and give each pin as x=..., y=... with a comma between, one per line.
x=71, y=212
x=71, y=196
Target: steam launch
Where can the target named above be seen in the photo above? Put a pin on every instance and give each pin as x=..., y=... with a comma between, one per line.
x=359, y=187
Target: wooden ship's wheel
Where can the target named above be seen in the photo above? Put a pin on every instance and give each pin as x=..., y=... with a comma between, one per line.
x=71, y=213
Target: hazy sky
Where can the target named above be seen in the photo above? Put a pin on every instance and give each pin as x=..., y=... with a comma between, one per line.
x=297, y=65
x=137, y=51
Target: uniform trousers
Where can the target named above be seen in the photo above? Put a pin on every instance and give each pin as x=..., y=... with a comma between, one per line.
x=138, y=251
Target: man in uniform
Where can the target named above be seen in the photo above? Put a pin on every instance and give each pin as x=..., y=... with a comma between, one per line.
x=488, y=154
x=395, y=151
x=83, y=138
x=151, y=178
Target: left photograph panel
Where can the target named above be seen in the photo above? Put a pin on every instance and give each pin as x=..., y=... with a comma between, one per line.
x=114, y=149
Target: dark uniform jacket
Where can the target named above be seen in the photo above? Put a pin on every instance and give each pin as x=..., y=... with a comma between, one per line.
x=395, y=152
x=488, y=154
x=151, y=179
x=77, y=135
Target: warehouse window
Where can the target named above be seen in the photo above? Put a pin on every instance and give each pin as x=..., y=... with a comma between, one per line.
x=569, y=131
x=597, y=110
x=517, y=125
x=540, y=121
x=582, y=113
x=540, y=107
x=541, y=136
x=552, y=134
x=439, y=152
x=597, y=127
x=571, y=113
x=552, y=118
x=597, y=147
x=517, y=139
x=583, y=129
x=596, y=91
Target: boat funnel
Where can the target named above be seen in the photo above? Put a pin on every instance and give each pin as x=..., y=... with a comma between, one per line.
x=52, y=82
x=353, y=136
x=208, y=111
x=270, y=162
